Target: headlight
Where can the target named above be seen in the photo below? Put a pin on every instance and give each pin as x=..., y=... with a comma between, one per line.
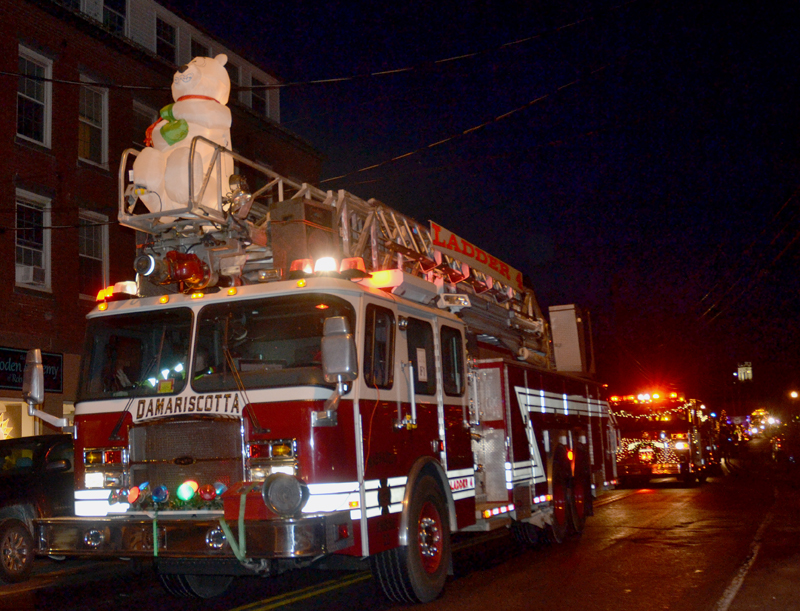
x=273, y=456
x=101, y=479
x=681, y=445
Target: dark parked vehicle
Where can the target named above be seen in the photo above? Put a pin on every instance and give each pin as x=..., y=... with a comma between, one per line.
x=786, y=446
x=36, y=480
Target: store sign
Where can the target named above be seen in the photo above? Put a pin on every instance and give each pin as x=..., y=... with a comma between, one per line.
x=12, y=368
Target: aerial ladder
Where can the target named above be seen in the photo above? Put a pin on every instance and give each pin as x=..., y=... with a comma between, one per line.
x=236, y=239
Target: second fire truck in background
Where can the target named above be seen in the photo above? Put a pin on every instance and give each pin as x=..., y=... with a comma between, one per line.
x=662, y=435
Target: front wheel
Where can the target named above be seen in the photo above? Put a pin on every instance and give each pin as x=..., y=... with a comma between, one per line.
x=16, y=551
x=526, y=534
x=416, y=573
x=195, y=586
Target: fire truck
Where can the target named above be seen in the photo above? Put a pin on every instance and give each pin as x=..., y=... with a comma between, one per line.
x=662, y=435
x=298, y=377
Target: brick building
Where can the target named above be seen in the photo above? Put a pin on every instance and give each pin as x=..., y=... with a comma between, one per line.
x=82, y=80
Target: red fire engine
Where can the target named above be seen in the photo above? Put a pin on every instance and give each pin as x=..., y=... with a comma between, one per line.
x=297, y=374
x=663, y=435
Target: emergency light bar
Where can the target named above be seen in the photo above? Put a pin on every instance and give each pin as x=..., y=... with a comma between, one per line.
x=120, y=290
x=399, y=283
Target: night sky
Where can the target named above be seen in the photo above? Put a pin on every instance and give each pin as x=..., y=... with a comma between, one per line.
x=648, y=170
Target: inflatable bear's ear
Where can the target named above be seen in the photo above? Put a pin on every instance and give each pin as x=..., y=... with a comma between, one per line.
x=222, y=59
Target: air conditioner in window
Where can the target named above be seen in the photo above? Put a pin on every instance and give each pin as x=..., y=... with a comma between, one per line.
x=24, y=274
x=29, y=274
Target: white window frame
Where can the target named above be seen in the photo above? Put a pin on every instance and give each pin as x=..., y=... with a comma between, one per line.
x=237, y=95
x=258, y=93
x=103, y=127
x=94, y=217
x=125, y=17
x=47, y=64
x=197, y=41
x=143, y=110
x=32, y=200
x=156, y=38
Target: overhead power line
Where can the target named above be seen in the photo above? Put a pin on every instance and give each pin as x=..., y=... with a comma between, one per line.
x=423, y=66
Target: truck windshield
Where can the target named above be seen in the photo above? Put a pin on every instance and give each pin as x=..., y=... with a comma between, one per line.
x=136, y=354
x=264, y=343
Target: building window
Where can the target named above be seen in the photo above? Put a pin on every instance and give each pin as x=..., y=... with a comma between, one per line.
x=233, y=74
x=199, y=49
x=258, y=96
x=165, y=40
x=33, y=97
x=92, y=128
x=114, y=14
x=143, y=118
x=33, y=241
x=93, y=252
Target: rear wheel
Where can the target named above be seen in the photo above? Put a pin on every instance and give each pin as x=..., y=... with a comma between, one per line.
x=557, y=529
x=195, y=586
x=16, y=551
x=417, y=572
x=581, y=505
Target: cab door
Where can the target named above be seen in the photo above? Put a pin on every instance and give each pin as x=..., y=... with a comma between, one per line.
x=418, y=381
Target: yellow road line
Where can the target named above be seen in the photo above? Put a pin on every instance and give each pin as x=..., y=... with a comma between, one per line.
x=305, y=593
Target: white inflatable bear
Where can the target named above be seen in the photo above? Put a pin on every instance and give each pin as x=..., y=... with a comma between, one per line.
x=161, y=171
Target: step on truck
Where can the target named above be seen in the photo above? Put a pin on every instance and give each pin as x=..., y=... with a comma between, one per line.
x=299, y=377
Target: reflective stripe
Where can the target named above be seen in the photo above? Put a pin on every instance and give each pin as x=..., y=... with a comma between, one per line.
x=330, y=502
x=331, y=497
x=558, y=403
x=460, y=473
x=337, y=497
x=100, y=494
x=333, y=488
x=98, y=509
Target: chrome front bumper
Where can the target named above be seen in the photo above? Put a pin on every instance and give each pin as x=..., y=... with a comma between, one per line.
x=193, y=536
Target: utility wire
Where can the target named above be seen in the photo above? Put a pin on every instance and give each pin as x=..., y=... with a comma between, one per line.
x=466, y=132
x=423, y=66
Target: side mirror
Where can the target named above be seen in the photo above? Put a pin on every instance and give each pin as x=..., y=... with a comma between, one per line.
x=33, y=390
x=58, y=466
x=339, y=364
x=339, y=358
x=33, y=378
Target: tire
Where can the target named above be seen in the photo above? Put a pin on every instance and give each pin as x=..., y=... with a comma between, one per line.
x=16, y=551
x=416, y=573
x=527, y=535
x=195, y=586
x=557, y=529
x=581, y=497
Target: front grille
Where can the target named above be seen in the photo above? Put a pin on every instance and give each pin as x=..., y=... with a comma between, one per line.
x=169, y=452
